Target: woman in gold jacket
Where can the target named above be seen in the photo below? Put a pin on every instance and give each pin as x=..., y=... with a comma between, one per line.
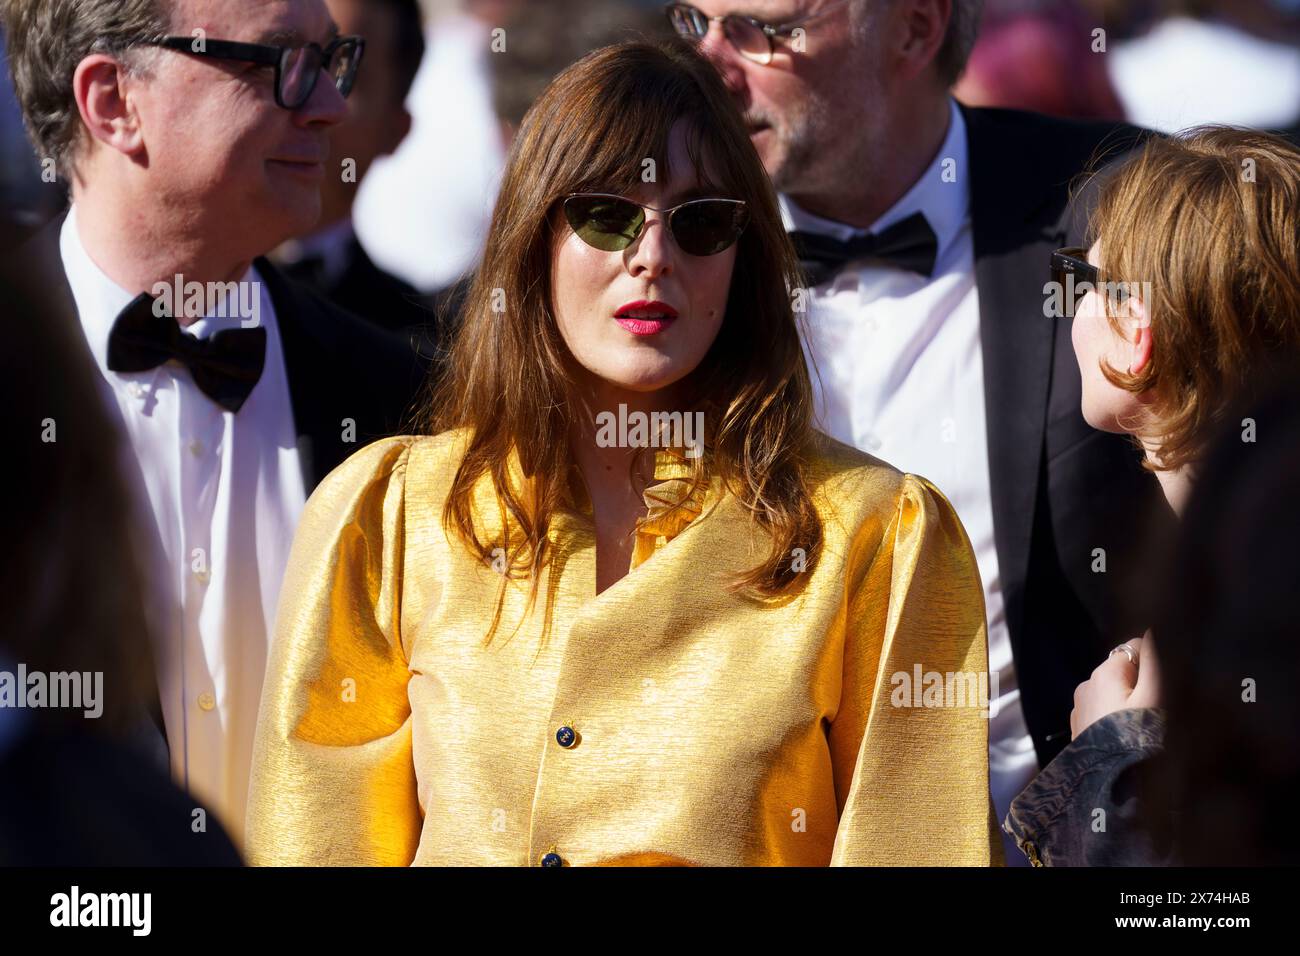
x=622, y=604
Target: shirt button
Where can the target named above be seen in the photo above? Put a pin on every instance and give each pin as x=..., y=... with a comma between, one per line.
x=196, y=448
x=134, y=390
x=871, y=443
x=566, y=736
x=551, y=859
x=207, y=701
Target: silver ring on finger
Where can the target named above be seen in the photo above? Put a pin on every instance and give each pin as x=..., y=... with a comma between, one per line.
x=1128, y=651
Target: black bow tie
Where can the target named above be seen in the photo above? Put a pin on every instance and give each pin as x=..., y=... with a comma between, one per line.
x=909, y=244
x=225, y=367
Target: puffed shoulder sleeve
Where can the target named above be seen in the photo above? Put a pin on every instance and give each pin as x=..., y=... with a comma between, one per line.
x=909, y=744
x=333, y=781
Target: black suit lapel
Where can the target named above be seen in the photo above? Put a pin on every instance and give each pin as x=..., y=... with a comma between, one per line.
x=350, y=382
x=305, y=362
x=1014, y=231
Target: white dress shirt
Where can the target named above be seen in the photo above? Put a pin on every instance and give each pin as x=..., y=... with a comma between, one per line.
x=898, y=372
x=220, y=494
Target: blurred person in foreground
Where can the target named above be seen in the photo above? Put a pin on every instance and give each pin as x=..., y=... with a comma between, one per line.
x=80, y=785
x=331, y=259
x=560, y=589
x=1189, y=303
x=1229, y=665
x=189, y=157
x=922, y=226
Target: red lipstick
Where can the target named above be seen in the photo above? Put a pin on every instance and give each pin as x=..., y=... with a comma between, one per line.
x=645, y=318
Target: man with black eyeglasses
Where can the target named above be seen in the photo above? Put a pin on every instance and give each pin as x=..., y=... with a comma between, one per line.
x=194, y=135
x=926, y=230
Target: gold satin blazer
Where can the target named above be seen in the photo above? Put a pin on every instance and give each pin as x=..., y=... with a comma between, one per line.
x=664, y=721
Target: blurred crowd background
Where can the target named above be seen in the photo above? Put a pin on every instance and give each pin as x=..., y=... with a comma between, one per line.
x=424, y=196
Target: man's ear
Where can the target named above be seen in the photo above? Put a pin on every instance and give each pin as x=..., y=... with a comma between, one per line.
x=923, y=27
x=106, y=110
x=1139, y=335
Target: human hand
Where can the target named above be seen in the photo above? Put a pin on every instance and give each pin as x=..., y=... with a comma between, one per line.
x=1117, y=684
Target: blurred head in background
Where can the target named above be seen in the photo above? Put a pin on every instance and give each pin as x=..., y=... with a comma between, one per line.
x=544, y=38
x=377, y=120
x=1041, y=56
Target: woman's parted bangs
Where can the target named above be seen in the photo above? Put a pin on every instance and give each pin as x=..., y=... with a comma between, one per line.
x=617, y=157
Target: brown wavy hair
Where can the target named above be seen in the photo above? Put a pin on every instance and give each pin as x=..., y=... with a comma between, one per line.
x=1209, y=223
x=507, y=383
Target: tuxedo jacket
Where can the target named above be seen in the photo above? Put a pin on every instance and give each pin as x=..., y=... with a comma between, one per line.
x=1071, y=505
x=364, y=289
x=339, y=366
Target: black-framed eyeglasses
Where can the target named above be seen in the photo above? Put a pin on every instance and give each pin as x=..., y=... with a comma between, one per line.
x=1072, y=271
x=297, y=68
x=700, y=227
x=751, y=37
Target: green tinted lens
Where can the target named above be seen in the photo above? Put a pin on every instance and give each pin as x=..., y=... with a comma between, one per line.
x=604, y=222
x=708, y=226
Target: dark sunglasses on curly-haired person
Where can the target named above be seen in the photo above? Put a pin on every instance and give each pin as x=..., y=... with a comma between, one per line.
x=700, y=227
x=297, y=68
x=1071, y=270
